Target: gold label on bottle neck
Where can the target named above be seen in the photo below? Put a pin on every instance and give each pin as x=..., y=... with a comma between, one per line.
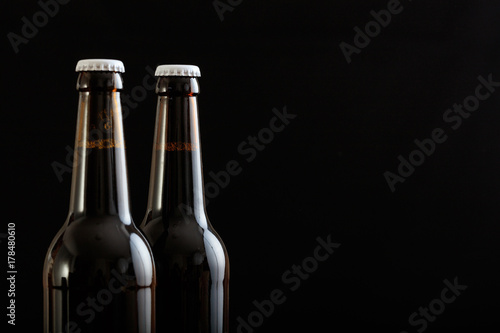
x=177, y=146
x=102, y=144
x=104, y=131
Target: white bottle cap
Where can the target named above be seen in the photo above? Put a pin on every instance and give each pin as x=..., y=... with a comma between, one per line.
x=177, y=70
x=103, y=65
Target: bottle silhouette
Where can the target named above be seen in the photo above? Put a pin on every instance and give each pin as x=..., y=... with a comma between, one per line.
x=191, y=260
x=99, y=273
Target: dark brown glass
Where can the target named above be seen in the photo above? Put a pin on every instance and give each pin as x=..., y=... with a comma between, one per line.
x=99, y=273
x=192, y=262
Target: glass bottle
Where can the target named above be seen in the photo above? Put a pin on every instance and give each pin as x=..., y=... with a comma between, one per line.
x=192, y=262
x=99, y=273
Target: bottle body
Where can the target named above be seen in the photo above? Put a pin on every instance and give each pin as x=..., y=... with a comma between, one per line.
x=99, y=273
x=191, y=259
x=192, y=275
x=96, y=284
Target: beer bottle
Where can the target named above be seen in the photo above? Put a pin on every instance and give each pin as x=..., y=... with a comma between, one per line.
x=191, y=260
x=99, y=273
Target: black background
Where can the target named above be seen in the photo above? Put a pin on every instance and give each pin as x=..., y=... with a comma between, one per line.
x=322, y=175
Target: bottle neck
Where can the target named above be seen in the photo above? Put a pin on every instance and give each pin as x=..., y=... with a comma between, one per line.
x=176, y=182
x=99, y=183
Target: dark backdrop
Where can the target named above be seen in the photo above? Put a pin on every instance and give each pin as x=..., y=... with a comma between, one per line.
x=362, y=90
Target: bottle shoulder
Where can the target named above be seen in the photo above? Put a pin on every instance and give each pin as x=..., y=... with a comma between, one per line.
x=182, y=234
x=97, y=238
x=89, y=247
x=177, y=226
